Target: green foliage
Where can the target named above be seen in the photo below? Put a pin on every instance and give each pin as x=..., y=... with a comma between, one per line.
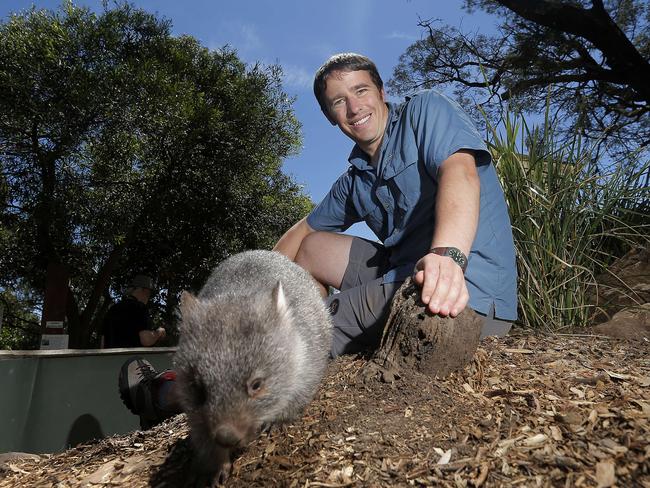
x=20, y=326
x=570, y=219
x=125, y=150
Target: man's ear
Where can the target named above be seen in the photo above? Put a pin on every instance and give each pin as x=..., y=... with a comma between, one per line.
x=383, y=94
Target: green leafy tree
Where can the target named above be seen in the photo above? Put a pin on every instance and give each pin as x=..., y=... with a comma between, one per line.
x=125, y=150
x=590, y=59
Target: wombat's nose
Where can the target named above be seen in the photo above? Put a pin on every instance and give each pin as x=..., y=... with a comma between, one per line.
x=228, y=435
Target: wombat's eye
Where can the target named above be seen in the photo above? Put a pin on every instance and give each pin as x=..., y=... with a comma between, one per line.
x=255, y=387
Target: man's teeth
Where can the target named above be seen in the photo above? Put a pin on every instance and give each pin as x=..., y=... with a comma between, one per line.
x=362, y=121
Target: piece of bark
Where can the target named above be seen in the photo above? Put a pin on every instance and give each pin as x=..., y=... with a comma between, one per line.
x=418, y=340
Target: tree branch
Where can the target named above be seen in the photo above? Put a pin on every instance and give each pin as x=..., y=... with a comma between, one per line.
x=595, y=25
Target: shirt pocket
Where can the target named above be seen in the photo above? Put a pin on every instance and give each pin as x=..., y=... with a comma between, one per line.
x=371, y=213
x=406, y=186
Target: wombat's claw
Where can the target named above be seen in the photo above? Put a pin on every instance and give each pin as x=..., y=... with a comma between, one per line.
x=220, y=478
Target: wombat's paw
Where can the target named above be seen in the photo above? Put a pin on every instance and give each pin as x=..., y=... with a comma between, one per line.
x=266, y=428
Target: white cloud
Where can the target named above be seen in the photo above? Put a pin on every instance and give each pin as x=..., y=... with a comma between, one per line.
x=296, y=77
x=250, y=38
x=402, y=36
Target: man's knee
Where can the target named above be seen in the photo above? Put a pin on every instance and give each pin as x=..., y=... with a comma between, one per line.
x=309, y=248
x=325, y=255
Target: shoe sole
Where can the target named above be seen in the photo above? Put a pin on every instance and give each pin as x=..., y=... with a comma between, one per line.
x=123, y=386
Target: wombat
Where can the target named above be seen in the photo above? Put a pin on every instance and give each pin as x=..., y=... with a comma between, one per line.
x=253, y=349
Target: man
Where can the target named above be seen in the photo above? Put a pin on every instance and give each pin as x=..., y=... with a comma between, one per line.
x=423, y=181
x=127, y=323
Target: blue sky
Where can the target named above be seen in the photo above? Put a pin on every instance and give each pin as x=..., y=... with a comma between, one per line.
x=300, y=35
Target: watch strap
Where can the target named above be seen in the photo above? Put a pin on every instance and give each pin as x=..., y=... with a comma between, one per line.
x=454, y=253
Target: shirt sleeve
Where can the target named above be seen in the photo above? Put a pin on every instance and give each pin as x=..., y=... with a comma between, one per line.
x=442, y=128
x=336, y=212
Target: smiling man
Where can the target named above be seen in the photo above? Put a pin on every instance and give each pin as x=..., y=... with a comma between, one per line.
x=422, y=179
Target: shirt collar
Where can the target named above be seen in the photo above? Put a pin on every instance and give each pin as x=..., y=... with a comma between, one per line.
x=358, y=158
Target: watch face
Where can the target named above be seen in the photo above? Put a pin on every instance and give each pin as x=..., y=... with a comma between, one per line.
x=455, y=255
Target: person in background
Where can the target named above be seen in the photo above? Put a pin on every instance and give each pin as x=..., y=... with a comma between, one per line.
x=128, y=323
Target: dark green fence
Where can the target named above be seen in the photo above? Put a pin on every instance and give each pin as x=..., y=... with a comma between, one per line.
x=52, y=400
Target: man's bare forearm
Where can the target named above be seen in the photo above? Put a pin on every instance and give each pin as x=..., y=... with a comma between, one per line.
x=457, y=203
x=457, y=209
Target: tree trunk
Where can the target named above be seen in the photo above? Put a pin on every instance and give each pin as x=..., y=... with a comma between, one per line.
x=415, y=339
x=74, y=321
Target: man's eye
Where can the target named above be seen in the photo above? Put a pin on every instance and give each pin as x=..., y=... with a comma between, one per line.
x=337, y=103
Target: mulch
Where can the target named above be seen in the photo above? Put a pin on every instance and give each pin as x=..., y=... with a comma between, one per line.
x=530, y=410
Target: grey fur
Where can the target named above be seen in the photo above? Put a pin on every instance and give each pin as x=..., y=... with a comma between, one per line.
x=259, y=316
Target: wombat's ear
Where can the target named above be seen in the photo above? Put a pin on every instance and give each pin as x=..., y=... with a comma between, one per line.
x=188, y=302
x=280, y=300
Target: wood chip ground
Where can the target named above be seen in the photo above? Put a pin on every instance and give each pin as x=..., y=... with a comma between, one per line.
x=529, y=411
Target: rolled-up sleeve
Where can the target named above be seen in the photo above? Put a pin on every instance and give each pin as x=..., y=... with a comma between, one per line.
x=336, y=211
x=433, y=110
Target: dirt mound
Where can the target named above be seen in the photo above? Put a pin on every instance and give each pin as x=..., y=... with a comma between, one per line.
x=631, y=323
x=626, y=283
x=528, y=411
x=623, y=297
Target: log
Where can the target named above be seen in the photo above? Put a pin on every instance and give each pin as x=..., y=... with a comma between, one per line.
x=415, y=339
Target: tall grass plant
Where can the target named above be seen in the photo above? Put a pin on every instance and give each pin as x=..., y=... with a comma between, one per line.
x=571, y=217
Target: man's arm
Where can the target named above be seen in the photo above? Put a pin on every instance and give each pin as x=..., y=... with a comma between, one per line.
x=457, y=211
x=290, y=242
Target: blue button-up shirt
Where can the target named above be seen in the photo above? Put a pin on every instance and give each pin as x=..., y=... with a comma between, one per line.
x=396, y=198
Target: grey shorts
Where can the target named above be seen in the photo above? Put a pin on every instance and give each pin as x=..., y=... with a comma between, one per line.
x=493, y=326
x=360, y=310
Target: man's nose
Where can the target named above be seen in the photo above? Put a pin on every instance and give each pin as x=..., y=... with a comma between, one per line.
x=354, y=106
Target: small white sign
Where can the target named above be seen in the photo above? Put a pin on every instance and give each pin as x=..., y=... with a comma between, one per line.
x=54, y=341
x=54, y=324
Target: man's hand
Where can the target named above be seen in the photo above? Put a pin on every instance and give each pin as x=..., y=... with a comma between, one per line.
x=443, y=284
x=162, y=333
x=149, y=337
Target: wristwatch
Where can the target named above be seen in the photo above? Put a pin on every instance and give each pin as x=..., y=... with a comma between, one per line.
x=454, y=253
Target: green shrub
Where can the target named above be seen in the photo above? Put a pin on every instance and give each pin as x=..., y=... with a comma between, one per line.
x=571, y=217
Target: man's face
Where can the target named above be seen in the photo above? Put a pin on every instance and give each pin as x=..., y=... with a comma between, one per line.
x=357, y=106
x=142, y=294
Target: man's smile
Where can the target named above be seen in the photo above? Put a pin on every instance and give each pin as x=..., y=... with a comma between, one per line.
x=361, y=121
